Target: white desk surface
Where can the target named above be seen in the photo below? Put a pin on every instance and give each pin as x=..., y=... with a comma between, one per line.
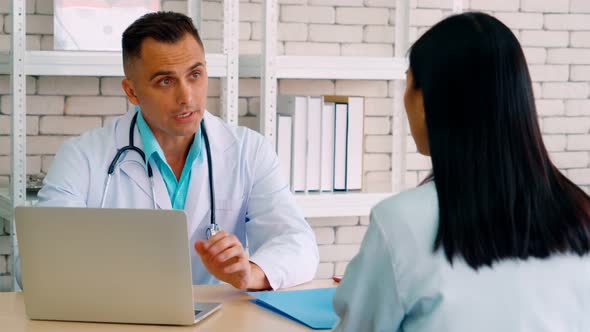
x=236, y=314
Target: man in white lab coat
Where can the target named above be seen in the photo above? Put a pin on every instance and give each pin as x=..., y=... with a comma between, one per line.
x=166, y=78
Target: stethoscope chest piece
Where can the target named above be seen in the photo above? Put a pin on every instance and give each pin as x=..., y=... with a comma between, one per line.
x=212, y=230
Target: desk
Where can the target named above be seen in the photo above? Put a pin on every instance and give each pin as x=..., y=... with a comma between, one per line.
x=236, y=314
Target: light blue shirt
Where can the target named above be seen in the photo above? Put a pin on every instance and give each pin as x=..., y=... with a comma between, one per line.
x=177, y=189
x=397, y=283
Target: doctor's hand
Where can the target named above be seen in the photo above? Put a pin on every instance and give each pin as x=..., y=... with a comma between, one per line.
x=224, y=257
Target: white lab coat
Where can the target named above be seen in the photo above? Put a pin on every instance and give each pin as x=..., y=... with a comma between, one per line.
x=252, y=200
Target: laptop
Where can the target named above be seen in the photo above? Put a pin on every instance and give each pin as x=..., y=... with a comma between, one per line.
x=107, y=265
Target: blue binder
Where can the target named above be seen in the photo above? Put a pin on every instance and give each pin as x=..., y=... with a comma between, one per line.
x=310, y=307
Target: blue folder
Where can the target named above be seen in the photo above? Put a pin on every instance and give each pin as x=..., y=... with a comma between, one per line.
x=310, y=307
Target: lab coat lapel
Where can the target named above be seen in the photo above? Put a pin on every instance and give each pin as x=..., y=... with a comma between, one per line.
x=162, y=196
x=198, y=200
x=132, y=164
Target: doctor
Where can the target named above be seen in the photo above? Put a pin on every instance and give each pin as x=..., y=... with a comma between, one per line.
x=188, y=152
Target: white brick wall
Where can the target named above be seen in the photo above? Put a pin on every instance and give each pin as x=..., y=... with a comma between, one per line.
x=324, y=235
x=361, y=16
x=577, y=107
x=362, y=88
x=578, y=142
x=567, y=22
x=325, y=271
x=308, y=48
x=306, y=87
x=580, y=38
x=555, y=142
x=497, y=5
x=350, y=234
x=580, y=176
x=376, y=162
x=377, y=126
x=32, y=125
x=568, y=90
x=95, y=105
x=569, y=55
x=379, y=34
x=335, y=33
x=547, y=6
x=337, y=252
x=544, y=38
x=308, y=14
x=425, y=17
x=521, y=20
x=378, y=143
x=378, y=106
x=340, y=268
x=549, y=107
x=39, y=105
x=549, y=73
x=580, y=6
x=372, y=50
x=566, y=160
x=555, y=35
x=68, y=125
x=535, y=55
x=566, y=125
x=56, y=85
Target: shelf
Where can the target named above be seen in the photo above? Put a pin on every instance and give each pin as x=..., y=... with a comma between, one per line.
x=339, y=67
x=6, y=207
x=338, y=204
x=313, y=205
x=329, y=67
x=70, y=63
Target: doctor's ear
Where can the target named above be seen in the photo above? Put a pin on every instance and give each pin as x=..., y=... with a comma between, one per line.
x=127, y=85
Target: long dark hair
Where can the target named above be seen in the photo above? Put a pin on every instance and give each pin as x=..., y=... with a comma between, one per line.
x=500, y=196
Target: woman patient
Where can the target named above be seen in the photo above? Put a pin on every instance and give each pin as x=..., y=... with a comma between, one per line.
x=497, y=239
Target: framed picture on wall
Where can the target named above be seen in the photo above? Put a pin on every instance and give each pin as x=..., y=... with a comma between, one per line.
x=95, y=25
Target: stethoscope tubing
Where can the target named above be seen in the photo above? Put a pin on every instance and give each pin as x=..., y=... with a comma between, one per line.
x=214, y=227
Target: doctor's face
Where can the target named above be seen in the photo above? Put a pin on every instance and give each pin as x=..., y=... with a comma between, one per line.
x=169, y=82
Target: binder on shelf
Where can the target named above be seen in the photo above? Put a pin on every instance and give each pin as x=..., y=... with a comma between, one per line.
x=314, y=137
x=348, y=142
x=327, y=146
x=284, y=136
x=296, y=107
x=354, y=146
x=340, y=144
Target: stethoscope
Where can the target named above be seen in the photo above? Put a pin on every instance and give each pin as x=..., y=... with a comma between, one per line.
x=214, y=227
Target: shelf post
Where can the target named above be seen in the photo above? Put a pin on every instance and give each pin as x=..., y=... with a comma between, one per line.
x=268, y=78
x=195, y=13
x=229, y=83
x=398, y=123
x=457, y=6
x=18, y=181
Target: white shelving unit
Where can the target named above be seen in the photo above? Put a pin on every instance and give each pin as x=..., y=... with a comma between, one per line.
x=229, y=66
x=71, y=63
x=275, y=67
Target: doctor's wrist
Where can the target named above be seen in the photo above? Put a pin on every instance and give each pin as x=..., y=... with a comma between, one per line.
x=258, y=279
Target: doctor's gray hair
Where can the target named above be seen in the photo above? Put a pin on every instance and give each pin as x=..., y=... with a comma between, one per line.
x=165, y=27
